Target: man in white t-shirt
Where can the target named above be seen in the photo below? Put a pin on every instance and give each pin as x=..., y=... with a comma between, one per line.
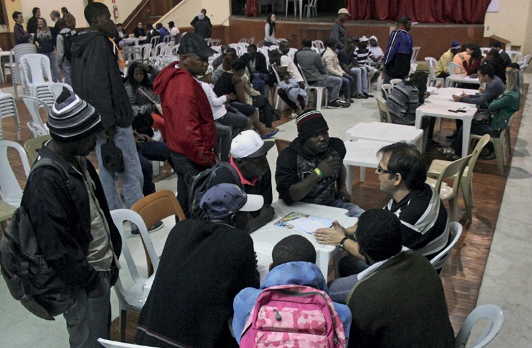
x=174, y=31
x=292, y=86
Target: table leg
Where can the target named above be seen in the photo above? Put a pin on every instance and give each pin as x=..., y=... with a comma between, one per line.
x=300, y=9
x=362, y=174
x=349, y=177
x=322, y=261
x=465, y=137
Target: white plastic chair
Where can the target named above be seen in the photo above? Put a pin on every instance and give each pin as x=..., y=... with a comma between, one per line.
x=452, y=69
x=319, y=45
x=439, y=261
x=386, y=89
x=433, y=80
x=415, y=52
x=251, y=40
x=296, y=4
x=158, y=48
x=244, y=40
x=393, y=82
x=514, y=56
x=13, y=65
x=154, y=41
x=132, y=299
x=37, y=125
x=523, y=63
x=35, y=73
x=495, y=317
x=115, y=344
x=8, y=108
x=146, y=51
x=311, y=8
x=320, y=91
x=292, y=53
x=10, y=190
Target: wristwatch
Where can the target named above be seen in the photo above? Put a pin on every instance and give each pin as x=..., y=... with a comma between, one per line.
x=341, y=245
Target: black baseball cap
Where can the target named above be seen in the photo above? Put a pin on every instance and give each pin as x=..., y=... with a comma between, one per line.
x=194, y=43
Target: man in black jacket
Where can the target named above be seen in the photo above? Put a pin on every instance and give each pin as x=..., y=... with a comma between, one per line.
x=204, y=264
x=73, y=225
x=257, y=67
x=96, y=78
x=196, y=19
x=21, y=36
x=203, y=26
x=32, y=25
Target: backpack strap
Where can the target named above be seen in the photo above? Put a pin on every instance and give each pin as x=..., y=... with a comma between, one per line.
x=46, y=161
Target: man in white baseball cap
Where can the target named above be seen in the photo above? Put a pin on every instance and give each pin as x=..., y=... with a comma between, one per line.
x=249, y=169
x=338, y=32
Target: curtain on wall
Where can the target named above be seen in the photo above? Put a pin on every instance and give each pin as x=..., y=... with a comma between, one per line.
x=423, y=11
x=252, y=8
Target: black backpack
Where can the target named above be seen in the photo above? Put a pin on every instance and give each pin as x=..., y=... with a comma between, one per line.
x=28, y=276
x=201, y=183
x=67, y=44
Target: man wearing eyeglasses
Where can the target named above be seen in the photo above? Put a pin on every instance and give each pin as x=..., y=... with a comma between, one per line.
x=401, y=173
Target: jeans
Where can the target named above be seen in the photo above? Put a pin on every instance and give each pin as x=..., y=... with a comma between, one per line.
x=66, y=70
x=345, y=90
x=244, y=108
x=89, y=318
x=186, y=170
x=224, y=135
x=235, y=120
x=56, y=73
x=152, y=151
x=333, y=83
x=265, y=108
x=259, y=80
x=131, y=179
x=360, y=80
x=354, y=210
x=349, y=268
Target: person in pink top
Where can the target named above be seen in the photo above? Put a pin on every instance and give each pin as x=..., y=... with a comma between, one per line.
x=459, y=57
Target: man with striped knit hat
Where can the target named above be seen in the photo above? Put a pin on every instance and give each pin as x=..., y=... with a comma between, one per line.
x=71, y=219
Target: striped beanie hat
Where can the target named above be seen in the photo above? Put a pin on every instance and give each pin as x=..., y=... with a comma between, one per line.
x=72, y=118
x=310, y=122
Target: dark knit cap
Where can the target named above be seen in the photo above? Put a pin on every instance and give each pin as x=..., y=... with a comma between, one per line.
x=72, y=118
x=310, y=122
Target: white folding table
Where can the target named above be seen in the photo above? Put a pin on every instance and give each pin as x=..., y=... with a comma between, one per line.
x=363, y=154
x=459, y=78
x=439, y=105
x=385, y=132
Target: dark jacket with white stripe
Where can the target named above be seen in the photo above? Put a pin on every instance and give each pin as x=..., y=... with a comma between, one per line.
x=398, y=54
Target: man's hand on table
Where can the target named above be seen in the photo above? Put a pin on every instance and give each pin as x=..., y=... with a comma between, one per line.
x=332, y=235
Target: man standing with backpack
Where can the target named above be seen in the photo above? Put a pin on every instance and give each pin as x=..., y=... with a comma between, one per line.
x=64, y=48
x=72, y=225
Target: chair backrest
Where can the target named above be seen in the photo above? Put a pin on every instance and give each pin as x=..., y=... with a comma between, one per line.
x=116, y=344
x=154, y=41
x=454, y=168
x=245, y=40
x=455, y=69
x=34, y=68
x=514, y=55
x=281, y=144
x=31, y=146
x=384, y=112
x=387, y=89
x=495, y=317
x=17, y=52
x=158, y=48
x=156, y=207
x=34, y=106
x=432, y=63
x=415, y=52
x=292, y=53
x=146, y=51
x=395, y=81
x=475, y=153
x=8, y=107
x=303, y=75
x=119, y=217
x=10, y=190
x=439, y=260
x=276, y=75
x=166, y=51
x=251, y=40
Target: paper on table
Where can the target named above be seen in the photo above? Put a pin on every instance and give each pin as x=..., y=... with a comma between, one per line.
x=310, y=225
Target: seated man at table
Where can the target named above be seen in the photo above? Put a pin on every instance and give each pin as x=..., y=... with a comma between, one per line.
x=402, y=174
x=399, y=300
x=249, y=169
x=203, y=266
x=311, y=170
x=442, y=70
x=294, y=259
x=494, y=88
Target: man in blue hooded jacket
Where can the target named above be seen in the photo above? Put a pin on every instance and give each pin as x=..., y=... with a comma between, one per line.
x=294, y=259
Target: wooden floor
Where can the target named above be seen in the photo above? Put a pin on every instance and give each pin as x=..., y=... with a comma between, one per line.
x=461, y=277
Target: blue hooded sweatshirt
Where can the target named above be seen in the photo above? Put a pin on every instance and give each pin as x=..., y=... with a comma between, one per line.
x=296, y=273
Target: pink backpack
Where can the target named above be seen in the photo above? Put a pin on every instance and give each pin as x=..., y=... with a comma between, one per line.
x=293, y=316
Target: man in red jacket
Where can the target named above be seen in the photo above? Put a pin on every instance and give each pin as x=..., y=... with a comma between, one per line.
x=189, y=124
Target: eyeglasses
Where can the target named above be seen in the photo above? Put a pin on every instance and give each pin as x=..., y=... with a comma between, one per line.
x=383, y=171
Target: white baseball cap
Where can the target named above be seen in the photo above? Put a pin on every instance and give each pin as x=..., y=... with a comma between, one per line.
x=363, y=39
x=248, y=144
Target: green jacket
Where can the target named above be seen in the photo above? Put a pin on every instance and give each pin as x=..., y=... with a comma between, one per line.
x=504, y=107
